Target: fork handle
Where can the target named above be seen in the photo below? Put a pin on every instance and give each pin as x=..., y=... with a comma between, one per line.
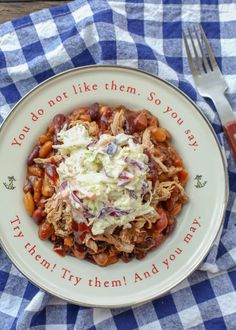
x=230, y=132
x=228, y=120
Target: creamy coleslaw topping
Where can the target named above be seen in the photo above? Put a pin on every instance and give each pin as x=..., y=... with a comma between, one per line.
x=103, y=179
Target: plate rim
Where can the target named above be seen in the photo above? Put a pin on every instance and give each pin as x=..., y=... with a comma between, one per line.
x=223, y=159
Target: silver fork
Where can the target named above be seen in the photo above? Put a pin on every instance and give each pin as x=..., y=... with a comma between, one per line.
x=210, y=82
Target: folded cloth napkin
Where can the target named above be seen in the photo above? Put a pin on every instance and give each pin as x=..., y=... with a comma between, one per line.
x=148, y=35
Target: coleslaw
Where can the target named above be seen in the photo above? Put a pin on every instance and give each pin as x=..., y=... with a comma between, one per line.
x=106, y=178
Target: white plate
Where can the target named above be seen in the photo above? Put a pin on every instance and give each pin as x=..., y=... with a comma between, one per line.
x=121, y=284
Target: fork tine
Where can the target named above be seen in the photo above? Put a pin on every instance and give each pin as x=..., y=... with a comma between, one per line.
x=190, y=59
x=199, y=62
x=207, y=67
x=208, y=48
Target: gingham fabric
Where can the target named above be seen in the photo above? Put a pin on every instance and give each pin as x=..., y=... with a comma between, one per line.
x=145, y=34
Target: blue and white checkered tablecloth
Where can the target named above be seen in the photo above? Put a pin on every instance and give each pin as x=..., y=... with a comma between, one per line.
x=145, y=34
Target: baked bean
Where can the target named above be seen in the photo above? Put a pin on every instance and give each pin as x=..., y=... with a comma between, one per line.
x=159, y=134
x=47, y=188
x=33, y=154
x=94, y=111
x=58, y=122
x=79, y=254
x=35, y=171
x=46, y=229
x=38, y=215
x=50, y=131
x=43, y=139
x=37, y=186
x=29, y=203
x=104, y=259
x=68, y=241
x=45, y=149
x=85, y=117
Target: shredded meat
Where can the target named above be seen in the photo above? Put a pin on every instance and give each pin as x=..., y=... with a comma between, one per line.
x=55, y=159
x=93, y=129
x=90, y=243
x=162, y=191
x=132, y=235
x=116, y=241
x=59, y=214
x=161, y=165
x=118, y=122
x=146, y=140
